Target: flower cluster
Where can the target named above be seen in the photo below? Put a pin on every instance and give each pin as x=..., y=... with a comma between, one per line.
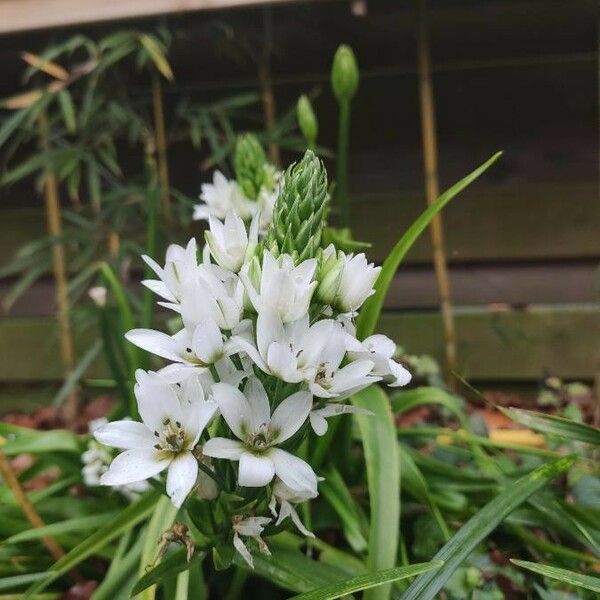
x=267, y=352
x=253, y=192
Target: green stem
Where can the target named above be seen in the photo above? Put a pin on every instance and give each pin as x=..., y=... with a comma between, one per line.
x=342, y=163
x=148, y=303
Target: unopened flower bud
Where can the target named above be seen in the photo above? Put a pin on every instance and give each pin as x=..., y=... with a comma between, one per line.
x=344, y=74
x=307, y=120
x=329, y=275
x=249, y=163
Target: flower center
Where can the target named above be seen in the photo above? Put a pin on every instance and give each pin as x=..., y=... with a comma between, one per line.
x=171, y=438
x=324, y=376
x=260, y=440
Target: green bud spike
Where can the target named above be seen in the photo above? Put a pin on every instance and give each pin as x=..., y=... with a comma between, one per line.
x=344, y=74
x=249, y=163
x=307, y=120
x=299, y=214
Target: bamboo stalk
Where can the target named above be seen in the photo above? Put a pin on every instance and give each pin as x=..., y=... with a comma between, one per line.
x=161, y=147
x=430, y=163
x=266, y=87
x=114, y=244
x=10, y=479
x=59, y=270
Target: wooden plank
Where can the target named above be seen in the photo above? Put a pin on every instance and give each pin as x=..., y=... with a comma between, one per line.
x=515, y=345
x=509, y=345
x=486, y=223
x=28, y=15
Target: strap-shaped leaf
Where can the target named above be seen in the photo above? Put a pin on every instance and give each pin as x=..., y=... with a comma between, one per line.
x=428, y=585
x=365, y=582
x=369, y=315
x=380, y=445
x=587, y=582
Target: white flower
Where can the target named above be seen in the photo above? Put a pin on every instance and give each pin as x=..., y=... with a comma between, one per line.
x=214, y=293
x=249, y=417
x=196, y=348
x=380, y=349
x=220, y=196
x=229, y=242
x=249, y=527
x=98, y=295
x=283, y=287
x=318, y=416
x=266, y=204
x=285, y=496
x=180, y=265
x=172, y=424
x=298, y=352
x=356, y=283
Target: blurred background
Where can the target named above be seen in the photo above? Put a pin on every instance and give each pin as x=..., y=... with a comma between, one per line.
x=146, y=102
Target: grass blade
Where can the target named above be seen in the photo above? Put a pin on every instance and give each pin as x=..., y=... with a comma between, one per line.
x=132, y=515
x=369, y=314
x=364, y=582
x=378, y=435
x=554, y=425
x=428, y=585
x=587, y=582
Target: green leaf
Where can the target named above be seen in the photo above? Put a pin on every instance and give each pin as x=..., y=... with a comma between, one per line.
x=162, y=518
x=157, y=56
x=554, y=425
x=9, y=583
x=335, y=491
x=171, y=565
x=369, y=314
x=428, y=586
x=413, y=481
x=380, y=446
x=22, y=440
x=68, y=110
x=54, y=529
x=587, y=582
x=364, y=582
x=132, y=515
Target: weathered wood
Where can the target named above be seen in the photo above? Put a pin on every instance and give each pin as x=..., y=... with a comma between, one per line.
x=491, y=345
x=485, y=223
x=28, y=15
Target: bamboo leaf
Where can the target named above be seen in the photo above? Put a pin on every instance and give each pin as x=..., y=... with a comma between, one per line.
x=364, y=582
x=380, y=446
x=587, y=582
x=554, y=425
x=157, y=56
x=369, y=314
x=41, y=64
x=428, y=585
x=68, y=110
x=132, y=515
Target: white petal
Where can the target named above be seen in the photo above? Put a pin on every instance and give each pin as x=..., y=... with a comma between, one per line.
x=234, y=407
x=153, y=265
x=160, y=289
x=290, y=415
x=282, y=363
x=293, y=471
x=134, y=465
x=269, y=329
x=298, y=523
x=241, y=548
x=207, y=342
x=318, y=423
x=259, y=402
x=223, y=448
x=255, y=470
x=128, y=435
x=156, y=342
x=401, y=375
x=239, y=344
x=181, y=477
x=156, y=400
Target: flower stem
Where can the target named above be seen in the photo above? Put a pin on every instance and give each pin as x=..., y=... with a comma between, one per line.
x=161, y=147
x=342, y=163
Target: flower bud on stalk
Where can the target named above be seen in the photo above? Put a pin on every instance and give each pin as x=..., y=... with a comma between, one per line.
x=307, y=120
x=344, y=74
x=299, y=214
x=329, y=275
x=249, y=163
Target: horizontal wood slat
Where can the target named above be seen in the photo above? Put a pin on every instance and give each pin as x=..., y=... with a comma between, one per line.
x=491, y=345
x=28, y=15
x=485, y=223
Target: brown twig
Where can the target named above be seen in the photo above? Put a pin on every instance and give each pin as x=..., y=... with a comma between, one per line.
x=161, y=147
x=266, y=87
x=431, y=184
x=10, y=479
x=59, y=271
